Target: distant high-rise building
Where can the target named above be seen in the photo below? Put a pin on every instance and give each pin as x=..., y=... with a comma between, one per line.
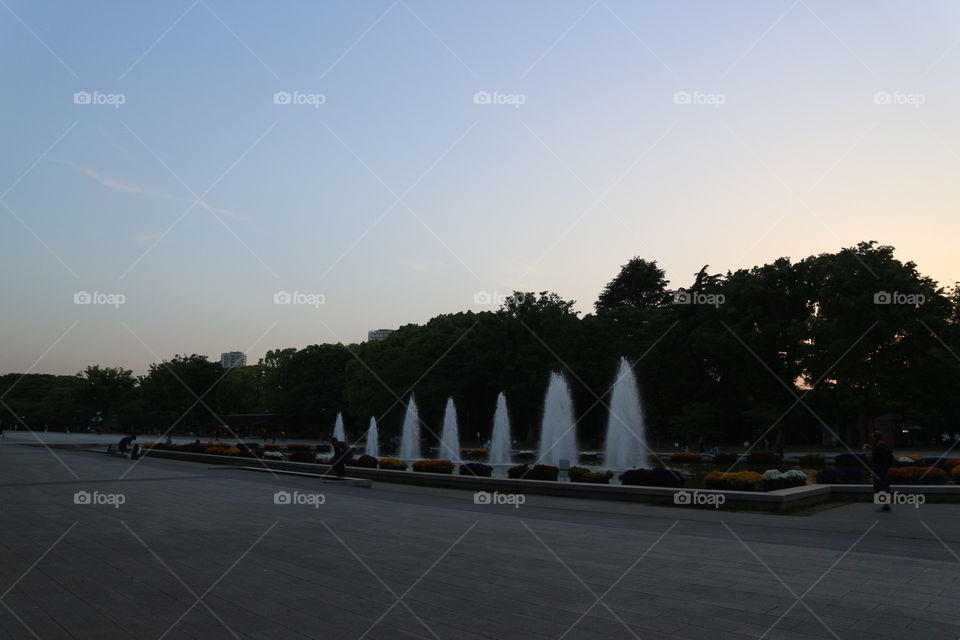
x=378, y=334
x=233, y=359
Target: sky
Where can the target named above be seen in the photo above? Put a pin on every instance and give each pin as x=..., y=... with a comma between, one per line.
x=199, y=177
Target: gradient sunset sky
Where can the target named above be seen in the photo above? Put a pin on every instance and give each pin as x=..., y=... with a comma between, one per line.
x=692, y=133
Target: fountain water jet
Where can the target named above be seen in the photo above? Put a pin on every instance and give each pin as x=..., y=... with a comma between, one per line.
x=558, y=438
x=626, y=437
x=410, y=434
x=373, y=440
x=450, y=436
x=501, y=447
x=338, y=431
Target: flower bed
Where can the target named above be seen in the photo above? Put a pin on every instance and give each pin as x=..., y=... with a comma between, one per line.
x=582, y=474
x=365, y=462
x=813, y=459
x=434, y=466
x=737, y=480
x=909, y=460
x=840, y=475
x=477, y=469
x=774, y=479
x=301, y=455
x=232, y=451
x=952, y=463
x=393, y=464
x=918, y=475
x=214, y=451
x=272, y=455
x=684, y=456
x=851, y=460
x=726, y=458
x=656, y=477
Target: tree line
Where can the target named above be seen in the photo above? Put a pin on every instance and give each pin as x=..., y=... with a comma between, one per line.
x=790, y=348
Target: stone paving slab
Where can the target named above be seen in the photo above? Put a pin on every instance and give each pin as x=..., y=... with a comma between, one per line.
x=553, y=568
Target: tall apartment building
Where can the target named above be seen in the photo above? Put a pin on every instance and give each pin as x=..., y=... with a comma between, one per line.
x=378, y=334
x=233, y=359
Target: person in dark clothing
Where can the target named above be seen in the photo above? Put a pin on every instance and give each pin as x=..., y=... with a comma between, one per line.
x=881, y=460
x=124, y=445
x=342, y=454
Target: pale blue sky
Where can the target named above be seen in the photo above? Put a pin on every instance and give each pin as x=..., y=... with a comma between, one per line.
x=798, y=159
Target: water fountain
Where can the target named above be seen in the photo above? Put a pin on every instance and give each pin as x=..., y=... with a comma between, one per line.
x=373, y=440
x=500, y=444
x=338, y=431
x=450, y=436
x=558, y=438
x=626, y=439
x=410, y=434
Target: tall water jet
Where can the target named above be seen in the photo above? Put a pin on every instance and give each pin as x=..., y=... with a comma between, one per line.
x=338, y=431
x=626, y=437
x=410, y=434
x=558, y=438
x=450, y=436
x=501, y=446
x=373, y=440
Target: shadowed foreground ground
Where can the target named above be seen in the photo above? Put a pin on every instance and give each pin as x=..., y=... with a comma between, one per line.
x=206, y=553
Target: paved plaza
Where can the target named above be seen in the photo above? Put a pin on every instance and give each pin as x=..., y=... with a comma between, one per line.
x=168, y=549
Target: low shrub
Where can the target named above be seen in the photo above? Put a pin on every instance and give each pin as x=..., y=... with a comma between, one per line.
x=851, y=460
x=365, y=462
x=813, y=459
x=302, y=456
x=736, y=480
x=298, y=447
x=518, y=471
x=582, y=474
x=956, y=474
x=764, y=457
x=840, y=475
x=952, y=463
x=271, y=446
x=726, y=458
x=272, y=455
x=543, y=472
x=656, y=477
x=683, y=456
x=774, y=479
x=476, y=469
x=393, y=464
x=232, y=451
x=214, y=451
x=918, y=475
x=434, y=466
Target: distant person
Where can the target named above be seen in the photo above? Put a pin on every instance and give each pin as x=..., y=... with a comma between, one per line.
x=881, y=460
x=715, y=450
x=342, y=454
